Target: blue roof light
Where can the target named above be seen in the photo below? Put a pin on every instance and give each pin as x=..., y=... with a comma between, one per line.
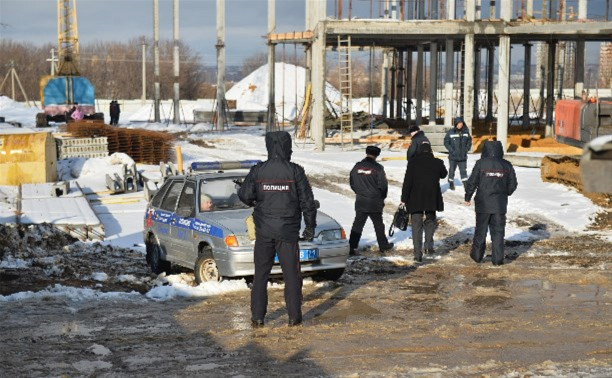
x=223, y=165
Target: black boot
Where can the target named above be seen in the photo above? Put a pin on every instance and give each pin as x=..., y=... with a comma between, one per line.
x=354, y=243
x=451, y=185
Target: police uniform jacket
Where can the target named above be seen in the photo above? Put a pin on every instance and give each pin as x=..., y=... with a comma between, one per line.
x=417, y=139
x=493, y=179
x=280, y=192
x=369, y=182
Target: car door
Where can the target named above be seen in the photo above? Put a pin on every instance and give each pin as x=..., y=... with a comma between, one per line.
x=181, y=230
x=165, y=217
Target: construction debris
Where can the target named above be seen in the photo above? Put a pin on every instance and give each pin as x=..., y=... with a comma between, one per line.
x=69, y=147
x=124, y=182
x=144, y=146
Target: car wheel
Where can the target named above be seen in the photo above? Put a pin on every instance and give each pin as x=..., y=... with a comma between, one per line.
x=332, y=274
x=205, y=270
x=154, y=259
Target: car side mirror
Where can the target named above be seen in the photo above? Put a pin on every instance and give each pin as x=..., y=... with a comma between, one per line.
x=317, y=204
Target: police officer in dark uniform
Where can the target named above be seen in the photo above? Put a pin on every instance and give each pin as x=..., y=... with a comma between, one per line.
x=281, y=193
x=369, y=182
x=493, y=179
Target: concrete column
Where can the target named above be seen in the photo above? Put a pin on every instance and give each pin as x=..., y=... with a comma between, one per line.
x=505, y=12
x=419, y=86
x=529, y=8
x=394, y=9
x=470, y=10
x=409, y=86
x=433, y=82
x=400, y=84
x=582, y=9
x=384, y=77
x=144, y=72
x=476, y=82
x=448, y=85
x=450, y=9
x=318, y=89
x=271, y=118
x=526, y=85
x=221, y=65
x=468, y=67
x=579, y=69
x=156, y=87
x=175, y=32
x=492, y=9
x=478, y=10
x=392, y=86
x=503, y=91
x=550, y=88
x=490, y=81
x=421, y=9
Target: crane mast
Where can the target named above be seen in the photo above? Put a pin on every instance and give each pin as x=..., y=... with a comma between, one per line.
x=67, y=38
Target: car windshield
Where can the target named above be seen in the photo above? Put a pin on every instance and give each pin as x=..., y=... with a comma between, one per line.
x=223, y=193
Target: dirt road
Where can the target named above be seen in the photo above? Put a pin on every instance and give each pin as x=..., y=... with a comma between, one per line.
x=546, y=312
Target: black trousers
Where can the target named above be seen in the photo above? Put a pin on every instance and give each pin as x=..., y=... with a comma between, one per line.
x=289, y=258
x=423, y=221
x=452, y=165
x=496, y=223
x=379, y=228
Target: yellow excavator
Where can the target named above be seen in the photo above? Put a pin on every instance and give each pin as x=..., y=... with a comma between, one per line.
x=66, y=91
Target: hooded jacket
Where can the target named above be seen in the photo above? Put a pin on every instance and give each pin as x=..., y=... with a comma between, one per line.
x=369, y=182
x=458, y=142
x=280, y=192
x=493, y=179
x=417, y=140
x=421, y=189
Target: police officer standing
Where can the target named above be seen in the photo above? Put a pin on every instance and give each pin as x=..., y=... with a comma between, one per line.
x=458, y=142
x=493, y=179
x=369, y=182
x=281, y=193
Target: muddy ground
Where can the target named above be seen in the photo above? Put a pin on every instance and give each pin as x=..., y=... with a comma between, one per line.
x=546, y=312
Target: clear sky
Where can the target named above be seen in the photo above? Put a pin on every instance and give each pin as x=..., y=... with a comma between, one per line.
x=246, y=21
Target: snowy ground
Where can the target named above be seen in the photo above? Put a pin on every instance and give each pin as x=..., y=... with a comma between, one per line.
x=386, y=315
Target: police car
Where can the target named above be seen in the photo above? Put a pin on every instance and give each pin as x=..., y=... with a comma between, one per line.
x=197, y=221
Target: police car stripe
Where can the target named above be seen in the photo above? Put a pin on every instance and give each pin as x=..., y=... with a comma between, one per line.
x=194, y=224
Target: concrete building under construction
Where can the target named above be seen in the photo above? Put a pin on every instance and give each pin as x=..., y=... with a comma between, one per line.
x=411, y=32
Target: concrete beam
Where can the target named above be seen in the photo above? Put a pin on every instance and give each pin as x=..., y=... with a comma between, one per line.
x=503, y=92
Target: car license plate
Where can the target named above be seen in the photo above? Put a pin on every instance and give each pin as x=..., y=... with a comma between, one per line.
x=305, y=255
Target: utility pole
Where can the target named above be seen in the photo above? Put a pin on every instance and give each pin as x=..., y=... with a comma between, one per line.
x=157, y=98
x=175, y=24
x=271, y=122
x=14, y=77
x=220, y=65
x=53, y=60
x=144, y=72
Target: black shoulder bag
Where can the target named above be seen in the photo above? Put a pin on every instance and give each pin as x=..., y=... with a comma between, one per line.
x=400, y=220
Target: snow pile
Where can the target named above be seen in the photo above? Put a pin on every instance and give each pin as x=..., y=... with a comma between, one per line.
x=71, y=293
x=180, y=285
x=80, y=167
x=16, y=112
x=13, y=263
x=251, y=93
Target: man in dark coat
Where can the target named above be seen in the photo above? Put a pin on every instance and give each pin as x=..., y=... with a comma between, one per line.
x=114, y=111
x=493, y=179
x=458, y=142
x=369, y=182
x=281, y=193
x=422, y=196
x=417, y=137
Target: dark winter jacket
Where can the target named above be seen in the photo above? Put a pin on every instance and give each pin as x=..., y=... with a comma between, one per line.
x=458, y=142
x=369, y=182
x=493, y=179
x=114, y=108
x=417, y=140
x=280, y=192
x=421, y=189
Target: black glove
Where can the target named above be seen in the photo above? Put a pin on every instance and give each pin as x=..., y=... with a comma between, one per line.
x=308, y=234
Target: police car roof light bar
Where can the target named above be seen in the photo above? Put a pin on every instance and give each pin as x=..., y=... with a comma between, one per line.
x=223, y=165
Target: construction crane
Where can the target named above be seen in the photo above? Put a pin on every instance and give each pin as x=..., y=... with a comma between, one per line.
x=61, y=94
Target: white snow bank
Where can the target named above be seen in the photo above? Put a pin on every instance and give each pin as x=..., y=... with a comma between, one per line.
x=71, y=293
x=17, y=112
x=99, y=276
x=69, y=169
x=13, y=263
x=180, y=286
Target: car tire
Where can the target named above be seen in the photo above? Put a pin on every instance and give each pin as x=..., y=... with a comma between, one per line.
x=154, y=259
x=205, y=270
x=331, y=274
